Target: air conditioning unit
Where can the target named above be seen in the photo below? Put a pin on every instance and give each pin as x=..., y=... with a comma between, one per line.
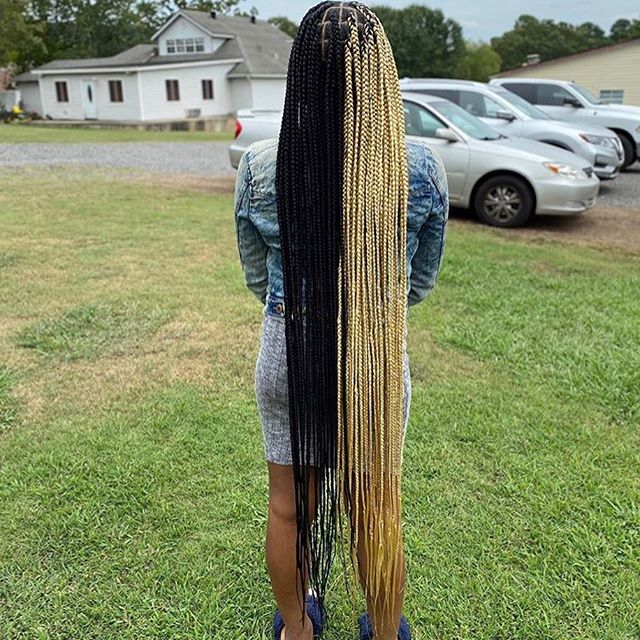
x=193, y=113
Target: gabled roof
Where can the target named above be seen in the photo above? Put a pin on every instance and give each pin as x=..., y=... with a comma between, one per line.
x=573, y=56
x=262, y=48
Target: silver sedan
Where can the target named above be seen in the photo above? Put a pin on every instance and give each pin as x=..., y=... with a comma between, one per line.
x=515, y=117
x=504, y=180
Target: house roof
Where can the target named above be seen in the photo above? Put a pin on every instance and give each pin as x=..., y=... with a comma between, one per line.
x=574, y=56
x=262, y=47
x=138, y=55
x=25, y=77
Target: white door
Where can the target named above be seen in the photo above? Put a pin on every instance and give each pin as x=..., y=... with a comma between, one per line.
x=89, y=100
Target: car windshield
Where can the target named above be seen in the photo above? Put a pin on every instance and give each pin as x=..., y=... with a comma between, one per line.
x=531, y=110
x=465, y=121
x=586, y=94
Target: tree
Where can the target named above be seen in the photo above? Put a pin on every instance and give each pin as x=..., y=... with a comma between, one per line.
x=590, y=35
x=424, y=42
x=284, y=24
x=624, y=29
x=77, y=28
x=97, y=28
x=227, y=7
x=479, y=62
x=17, y=35
x=547, y=38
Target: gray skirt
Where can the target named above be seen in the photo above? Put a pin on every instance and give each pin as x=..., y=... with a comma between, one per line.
x=272, y=392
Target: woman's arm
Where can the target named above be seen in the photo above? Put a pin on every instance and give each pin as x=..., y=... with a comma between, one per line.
x=426, y=262
x=251, y=246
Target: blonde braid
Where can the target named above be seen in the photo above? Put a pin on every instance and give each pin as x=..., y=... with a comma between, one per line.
x=373, y=274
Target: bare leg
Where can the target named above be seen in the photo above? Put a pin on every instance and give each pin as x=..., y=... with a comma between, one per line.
x=281, y=551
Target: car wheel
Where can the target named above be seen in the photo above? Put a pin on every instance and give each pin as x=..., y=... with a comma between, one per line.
x=629, y=151
x=504, y=201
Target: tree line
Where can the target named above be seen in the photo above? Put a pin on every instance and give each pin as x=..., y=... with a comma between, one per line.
x=426, y=43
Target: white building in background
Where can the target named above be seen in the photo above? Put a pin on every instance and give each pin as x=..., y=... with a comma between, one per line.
x=199, y=65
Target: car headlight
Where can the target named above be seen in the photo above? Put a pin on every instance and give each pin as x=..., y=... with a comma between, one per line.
x=602, y=141
x=565, y=170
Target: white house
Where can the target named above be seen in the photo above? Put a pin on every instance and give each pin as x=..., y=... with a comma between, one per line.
x=29, y=92
x=199, y=65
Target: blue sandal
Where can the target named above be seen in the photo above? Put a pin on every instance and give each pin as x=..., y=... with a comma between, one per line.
x=366, y=631
x=314, y=613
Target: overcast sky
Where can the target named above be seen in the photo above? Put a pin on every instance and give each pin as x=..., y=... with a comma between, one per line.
x=482, y=19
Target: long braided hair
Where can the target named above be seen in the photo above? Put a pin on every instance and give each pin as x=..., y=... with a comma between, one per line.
x=342, y=199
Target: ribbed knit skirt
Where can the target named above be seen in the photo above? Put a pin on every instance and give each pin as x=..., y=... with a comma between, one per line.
x=272, y=393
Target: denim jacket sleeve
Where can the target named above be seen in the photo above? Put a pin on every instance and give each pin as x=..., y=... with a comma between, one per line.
x=251, y=246
x=427, y=260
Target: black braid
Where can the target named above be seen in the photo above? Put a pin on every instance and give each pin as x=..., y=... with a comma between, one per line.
x=309, y=195
x=307, y=229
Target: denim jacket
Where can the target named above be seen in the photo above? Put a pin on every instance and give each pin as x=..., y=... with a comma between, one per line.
x=257, y=230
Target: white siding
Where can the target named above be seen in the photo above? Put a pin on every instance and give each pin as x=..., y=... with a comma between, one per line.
x=183, y=28
x=105, y=109
x=241, y=95
x=268, y=93
x=157, y=107
x=30, y=97
x=72, y=110
x=129, y=109
x=9, y=98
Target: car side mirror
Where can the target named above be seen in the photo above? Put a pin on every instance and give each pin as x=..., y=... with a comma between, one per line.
x=443, y=133
x=572, y=102
x=505, y=115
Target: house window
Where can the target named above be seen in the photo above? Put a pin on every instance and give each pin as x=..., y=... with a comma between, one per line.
x=612, y=96
x=62, y=93
x=173, y=90
x=207, y=89
x=115, y=91
x=185, y=45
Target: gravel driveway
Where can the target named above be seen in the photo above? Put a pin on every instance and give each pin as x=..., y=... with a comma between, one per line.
x=212, y=158
x=623, y=192
x=200, y=158
x=204, y=166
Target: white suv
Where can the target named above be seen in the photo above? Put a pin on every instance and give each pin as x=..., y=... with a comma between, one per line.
x=569, y=101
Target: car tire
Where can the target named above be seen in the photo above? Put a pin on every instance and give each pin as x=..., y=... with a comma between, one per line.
x=504, y=201
x=629, y=151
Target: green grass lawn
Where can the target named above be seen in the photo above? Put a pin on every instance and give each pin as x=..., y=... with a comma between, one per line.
x=16, y=133
x=132, y=481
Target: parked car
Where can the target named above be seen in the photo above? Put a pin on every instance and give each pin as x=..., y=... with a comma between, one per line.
x=569, y=101
x=253, y=125
x=505, y=180
x=514, y=116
